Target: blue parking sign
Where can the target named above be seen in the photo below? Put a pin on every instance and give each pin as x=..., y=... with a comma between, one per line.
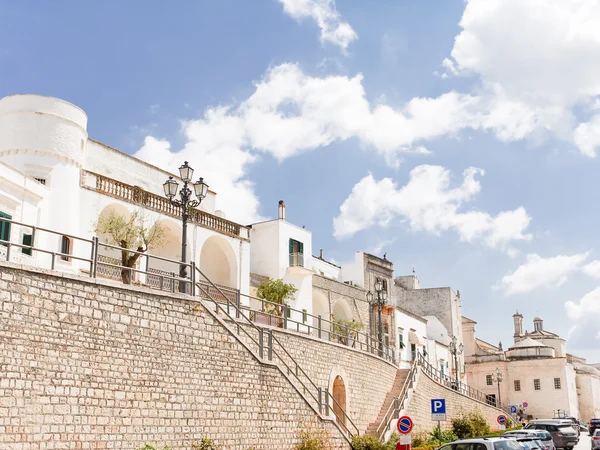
x=513, y=409
x=438, y=406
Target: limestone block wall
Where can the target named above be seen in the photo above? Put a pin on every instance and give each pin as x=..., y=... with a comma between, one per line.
x=367, y=378
x=419, y=407
x=88, y=365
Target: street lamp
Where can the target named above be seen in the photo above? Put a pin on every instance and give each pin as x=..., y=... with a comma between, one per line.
x=456, y=349
x=498, y=377
x=185, y=203
x=380, y=297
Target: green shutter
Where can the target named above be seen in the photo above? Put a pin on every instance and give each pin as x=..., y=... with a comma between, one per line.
x=5, y=227
x=26, y=241
x=291, y=246
x=301, y=248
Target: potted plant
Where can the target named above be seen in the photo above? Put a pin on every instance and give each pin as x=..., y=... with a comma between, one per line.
x=276, y=292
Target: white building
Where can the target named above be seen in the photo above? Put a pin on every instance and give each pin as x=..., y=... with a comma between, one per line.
x=53, y=176
x=536, y=372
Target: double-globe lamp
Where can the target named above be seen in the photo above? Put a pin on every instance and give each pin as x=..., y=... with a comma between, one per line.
x=186, y=201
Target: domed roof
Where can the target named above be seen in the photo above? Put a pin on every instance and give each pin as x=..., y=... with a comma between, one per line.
x=528, y=343
x=538, y=318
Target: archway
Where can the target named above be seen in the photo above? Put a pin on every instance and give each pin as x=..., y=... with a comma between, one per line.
x=218, y=262
x=320, y=307
x=342, y=310
x=169, y=248
x=107, y=255
x=339, y=405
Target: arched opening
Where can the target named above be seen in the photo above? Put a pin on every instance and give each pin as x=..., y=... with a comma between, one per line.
x=219, y=265
x=66, y=247
x=320, y=307
x=342, y=310
x=161, y=272
x=107, y=257
x=339, y=404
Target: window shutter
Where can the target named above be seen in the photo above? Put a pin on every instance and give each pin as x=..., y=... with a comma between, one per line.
x=291, y=246
x=26, y=241
x=301, y=248
x=5, y=227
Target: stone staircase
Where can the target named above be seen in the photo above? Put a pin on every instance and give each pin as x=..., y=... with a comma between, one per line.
x=399, y=381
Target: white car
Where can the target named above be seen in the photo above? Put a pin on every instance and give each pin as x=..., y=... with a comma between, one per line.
x=493, y=443
x=544, y=436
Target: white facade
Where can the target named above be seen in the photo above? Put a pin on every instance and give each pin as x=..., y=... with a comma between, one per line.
x=79, y=179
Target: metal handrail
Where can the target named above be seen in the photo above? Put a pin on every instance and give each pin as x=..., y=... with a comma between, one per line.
x=272, y=351
x=372, y=344
x=393, y=411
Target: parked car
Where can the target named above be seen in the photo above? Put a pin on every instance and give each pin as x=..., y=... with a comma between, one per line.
x=593, y=426
x=596, y=440
x=563, y=434
x=530, y=443
x=493, y=443
x=544, y=436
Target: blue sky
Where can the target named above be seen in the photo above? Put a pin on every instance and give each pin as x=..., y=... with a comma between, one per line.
x=332, y=106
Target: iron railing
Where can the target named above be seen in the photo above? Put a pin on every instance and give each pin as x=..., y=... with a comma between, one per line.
x=398, y=404
x=296, y=260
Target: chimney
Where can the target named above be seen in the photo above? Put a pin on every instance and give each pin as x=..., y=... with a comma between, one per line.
x=281, y=215
x=321, y=254
x=518, y=320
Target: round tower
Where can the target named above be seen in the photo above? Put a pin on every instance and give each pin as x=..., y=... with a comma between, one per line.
x=44, y=138
x=518, y=323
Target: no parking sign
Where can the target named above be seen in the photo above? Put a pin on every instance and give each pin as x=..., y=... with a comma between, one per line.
x=405, y=425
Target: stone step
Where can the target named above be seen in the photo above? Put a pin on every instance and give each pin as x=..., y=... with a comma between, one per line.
x=401, y=376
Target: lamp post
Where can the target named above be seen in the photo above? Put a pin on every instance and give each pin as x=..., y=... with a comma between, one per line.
x=498, y=377
x=185, y=202
x=381, y=297
x=456, y=349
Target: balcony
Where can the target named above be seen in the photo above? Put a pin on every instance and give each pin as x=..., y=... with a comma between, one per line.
x=296, y=260
x=148, y=200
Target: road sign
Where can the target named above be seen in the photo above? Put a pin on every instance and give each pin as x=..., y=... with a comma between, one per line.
x=513, y=409
x=438, y=409
x=501, y=419
x=525, y=404
x=405, y=425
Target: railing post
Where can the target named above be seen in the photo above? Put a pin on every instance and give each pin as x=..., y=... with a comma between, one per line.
x=285, y=314
x=193, y=278
x=261, y=343
x=238, y=303
x=94, y=266
x=319, y=325
x=347, y=336
x=270, y=345
x=53, y=257
x=8, y=253
x=320, y=399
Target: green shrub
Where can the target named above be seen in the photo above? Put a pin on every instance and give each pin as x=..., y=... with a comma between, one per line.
x=437, y=436
x=391, y=443
x=206, y=444
x=366, y=442
x=420, y=438
x=312, y=438
x=152, y=447
x=470, y=425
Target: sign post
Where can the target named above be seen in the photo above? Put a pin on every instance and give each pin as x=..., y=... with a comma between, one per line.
x=501, y=421
x=405, y=426
x=438, y=412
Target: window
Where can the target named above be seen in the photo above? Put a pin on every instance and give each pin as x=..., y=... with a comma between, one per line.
x=424, y=351
x=296, y=253
x=557, y=383
x=413, y=351
x=489, y=380
x=517, y=385
x=65, y=248
x=537, y=385
x=401, y=338
x=26, y=241
x=5, y=227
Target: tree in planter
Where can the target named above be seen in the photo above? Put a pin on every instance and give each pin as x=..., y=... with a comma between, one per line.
x=276, y=292
x=131, y=234
x=339, y=329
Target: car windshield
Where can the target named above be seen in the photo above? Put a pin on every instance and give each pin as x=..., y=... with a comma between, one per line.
x=508, y=444
x=597, y=432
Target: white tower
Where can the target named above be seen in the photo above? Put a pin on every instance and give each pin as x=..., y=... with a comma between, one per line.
x=44, y=138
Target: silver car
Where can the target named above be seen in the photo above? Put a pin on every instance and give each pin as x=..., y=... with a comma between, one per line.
x=596, y=440
x=563, y=434
x=494, y=443
x=544, y=436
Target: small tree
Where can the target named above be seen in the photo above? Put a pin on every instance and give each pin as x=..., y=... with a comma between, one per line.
x=276, y=292
x=131, y=234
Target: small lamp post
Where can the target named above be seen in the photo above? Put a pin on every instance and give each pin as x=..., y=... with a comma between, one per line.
x=185, y=202
x=381, y=297
x=456, y=349
x=498, y=377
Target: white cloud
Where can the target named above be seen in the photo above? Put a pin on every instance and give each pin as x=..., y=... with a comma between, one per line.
x=334, y=29
x=586, y=315
x=592, y=269
x=428, y=203
x=537, y=60
x=538, y=272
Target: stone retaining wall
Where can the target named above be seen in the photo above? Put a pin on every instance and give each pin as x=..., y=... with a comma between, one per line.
x=88, y=365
